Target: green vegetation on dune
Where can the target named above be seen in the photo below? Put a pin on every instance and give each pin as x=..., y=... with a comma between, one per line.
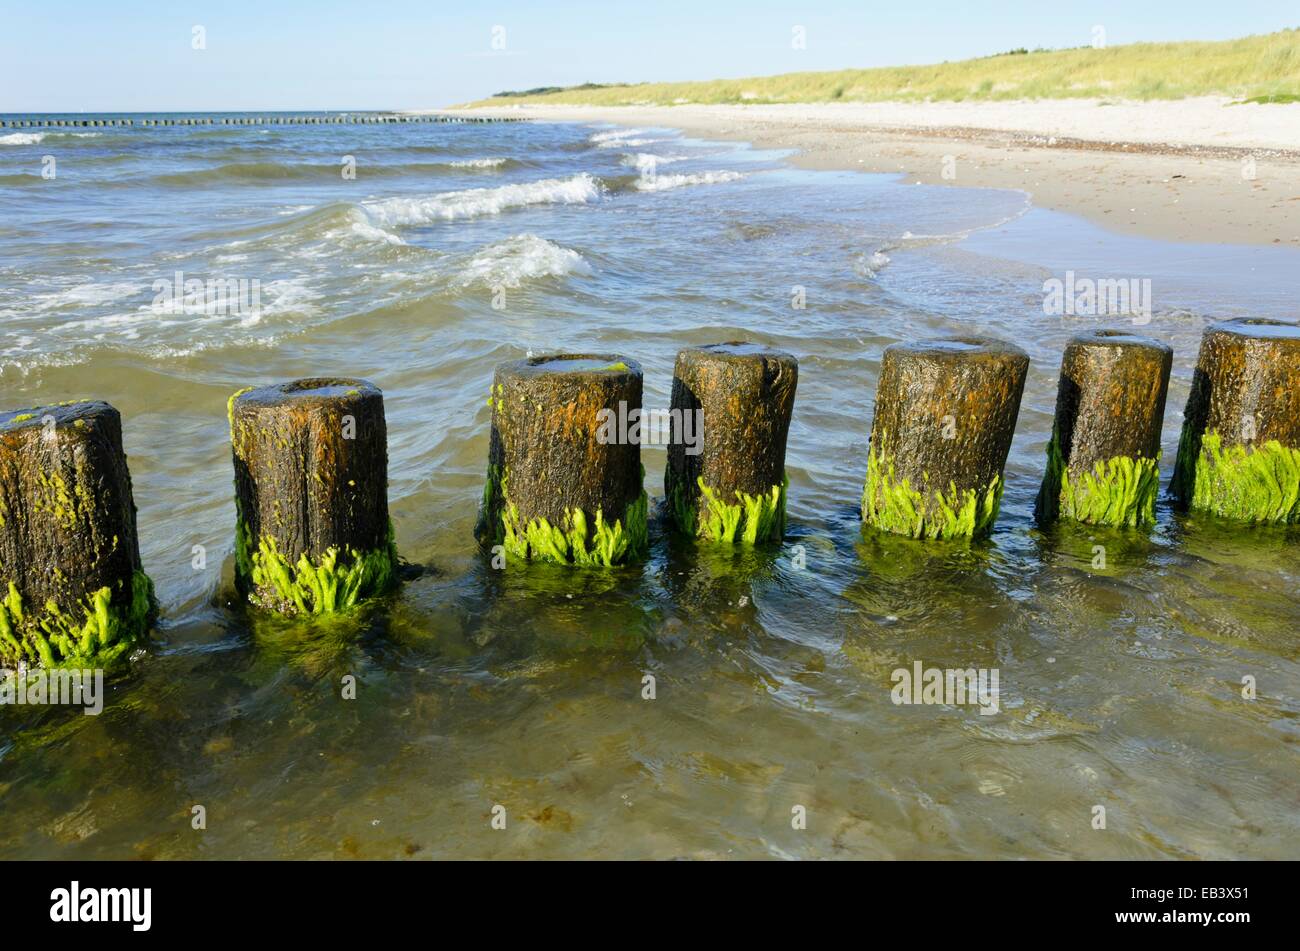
x=1263, y=68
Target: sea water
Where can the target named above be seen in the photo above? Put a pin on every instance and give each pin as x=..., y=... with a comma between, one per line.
x=708, y=703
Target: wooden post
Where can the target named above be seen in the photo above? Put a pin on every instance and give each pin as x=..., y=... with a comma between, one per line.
x=1239, y=453
x=311, y=495
x=945, y=414
x=72, y=589
x=733, y=402
x=564, y=477
x=1103, y=460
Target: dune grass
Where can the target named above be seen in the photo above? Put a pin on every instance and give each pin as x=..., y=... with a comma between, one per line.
x=1262, y=68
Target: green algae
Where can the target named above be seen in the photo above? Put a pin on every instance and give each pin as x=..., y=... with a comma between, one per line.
x=751, y=519
x=97, y=639
x=581, y=539
x=333, y=583
x=894, y=505
x=1259, y=483
x=1120, y=491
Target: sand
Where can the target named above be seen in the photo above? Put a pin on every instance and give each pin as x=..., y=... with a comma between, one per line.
x=1190, y=170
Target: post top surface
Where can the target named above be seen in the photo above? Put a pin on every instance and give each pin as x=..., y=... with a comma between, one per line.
x=320, y=389
x=740, y=349
x=959, y=348
x=1262, y=328
x=558, y=364
x=1111, y=337
x=64, y=414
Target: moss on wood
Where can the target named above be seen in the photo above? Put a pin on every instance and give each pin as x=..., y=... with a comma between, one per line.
x=1103, y=457
x=926, y=511
x=725, y=481
x=312, y=533
x=73, y=589
x=1241, y=426
x=944, y=418
x=557, y=488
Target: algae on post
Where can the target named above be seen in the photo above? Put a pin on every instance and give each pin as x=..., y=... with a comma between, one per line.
x=609, y=544
x=1120, y=491
x=896, y=506
x=334, y=582
x=750, y=519
x=98, y=638
x=1259, y=483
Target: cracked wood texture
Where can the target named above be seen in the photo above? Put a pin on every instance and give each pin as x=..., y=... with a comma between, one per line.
x=1246, y=388
x=545, y=439
x=947, y=408
x=746, y=391
x=311, y=466
x=67, y=516
x=1110, y=402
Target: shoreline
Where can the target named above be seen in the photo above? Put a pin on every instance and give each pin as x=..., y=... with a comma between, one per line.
x=1172, y=171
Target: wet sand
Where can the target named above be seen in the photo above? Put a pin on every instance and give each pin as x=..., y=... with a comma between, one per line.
x=1197, y=170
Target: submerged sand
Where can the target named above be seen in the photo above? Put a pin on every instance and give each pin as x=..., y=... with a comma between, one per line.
x=1190, y=170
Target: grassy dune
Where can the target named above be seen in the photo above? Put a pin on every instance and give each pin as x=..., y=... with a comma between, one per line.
x=1254, y=67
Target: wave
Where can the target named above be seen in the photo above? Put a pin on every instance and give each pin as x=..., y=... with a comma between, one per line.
x=658, y=183
x=646, y=161
x=22, y=138
x=21, y=178
x=481, y=163
x=519, y=258
x=613, y=135
x=476, y=202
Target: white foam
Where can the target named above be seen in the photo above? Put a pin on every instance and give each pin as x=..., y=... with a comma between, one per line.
x=476, y=202
x=22, y=138
x=519, y=258
x=658, y=183
x=645, y=161
x=873, y=264
x=83, y=295
x=614, y=135
x=480, y=163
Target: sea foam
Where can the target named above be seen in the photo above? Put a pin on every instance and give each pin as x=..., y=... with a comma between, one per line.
x=658, y=183
x=477, y=202
x=519, y=258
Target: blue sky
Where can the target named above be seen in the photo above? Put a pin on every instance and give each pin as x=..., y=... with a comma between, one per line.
x=124, y=55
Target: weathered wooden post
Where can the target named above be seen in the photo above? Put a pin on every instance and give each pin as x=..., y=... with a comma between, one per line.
x=945, y=414
x=564, y=479
x=730, y=415
x=311, y=495
x=72, y=589
x=1103, y=460
x=1239, y=453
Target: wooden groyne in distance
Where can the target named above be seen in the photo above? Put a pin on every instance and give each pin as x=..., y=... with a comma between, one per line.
x=730, y=486
x=311, y=495
x=349, y=119
x=1103, y=460
x=564, y=480
x=945, y=413
x=1239, y=452
x=72, y=590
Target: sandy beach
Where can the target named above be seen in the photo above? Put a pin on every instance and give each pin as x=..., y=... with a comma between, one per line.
x=1188, y=170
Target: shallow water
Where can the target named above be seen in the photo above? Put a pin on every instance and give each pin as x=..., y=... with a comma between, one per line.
x=1120, y=685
